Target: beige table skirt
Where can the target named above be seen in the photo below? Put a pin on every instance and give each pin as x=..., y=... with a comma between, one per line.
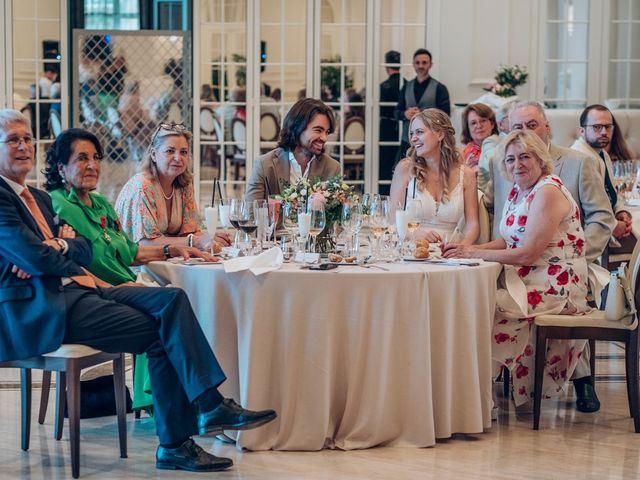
x=350, y=358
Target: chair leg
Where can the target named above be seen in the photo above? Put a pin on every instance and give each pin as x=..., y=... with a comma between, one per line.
x=541, y=354
x=61, y=388
x=506, y=382
x=73, y=407
x=592, y=360
x=121, y=403
x=136, y=413
x=44, y=395
x=631, y=367
x=25, y=396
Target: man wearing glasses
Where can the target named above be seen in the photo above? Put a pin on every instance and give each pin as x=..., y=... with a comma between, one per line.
x=47, y=298
x=596, y=131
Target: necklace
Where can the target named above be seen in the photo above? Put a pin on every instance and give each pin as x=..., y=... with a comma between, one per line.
x=173, y=190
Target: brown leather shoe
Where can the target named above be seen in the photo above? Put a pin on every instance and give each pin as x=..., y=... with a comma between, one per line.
x=191, y=457
x=231, y=416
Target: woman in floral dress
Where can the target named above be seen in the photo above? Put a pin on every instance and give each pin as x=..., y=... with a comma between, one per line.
x=545, y=269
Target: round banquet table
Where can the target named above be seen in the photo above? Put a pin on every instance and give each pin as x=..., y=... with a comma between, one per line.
x=350, y=358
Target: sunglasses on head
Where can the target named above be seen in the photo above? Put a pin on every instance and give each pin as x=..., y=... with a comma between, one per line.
x=178, y=128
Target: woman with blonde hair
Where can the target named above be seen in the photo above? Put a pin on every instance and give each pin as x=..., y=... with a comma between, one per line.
x=542, y=246
x=157, y=205
x=433, y=173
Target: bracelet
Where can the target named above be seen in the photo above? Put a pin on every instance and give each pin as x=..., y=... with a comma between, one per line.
x=190, y=240
x=166, y=251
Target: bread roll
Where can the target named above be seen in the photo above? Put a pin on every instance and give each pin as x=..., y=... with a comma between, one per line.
x=421, y=252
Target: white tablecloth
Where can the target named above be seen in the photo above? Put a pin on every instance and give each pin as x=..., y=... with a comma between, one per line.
x=350, y=358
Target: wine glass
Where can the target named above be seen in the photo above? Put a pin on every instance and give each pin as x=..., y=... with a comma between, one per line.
x=379, y=220
x=414, y=214
x=265, y=219
x=235, y=215
x=318, y=218
x=290, y=218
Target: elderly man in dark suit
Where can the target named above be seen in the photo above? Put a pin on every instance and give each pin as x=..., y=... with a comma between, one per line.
x=300, y=152
x=47, y=298
x=581, y=175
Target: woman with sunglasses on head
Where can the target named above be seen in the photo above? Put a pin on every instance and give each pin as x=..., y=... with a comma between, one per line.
x=157, y=205
x=72, y=172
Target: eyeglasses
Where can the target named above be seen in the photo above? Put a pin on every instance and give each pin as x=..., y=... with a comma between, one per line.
x=608, y=127
x=14, y=142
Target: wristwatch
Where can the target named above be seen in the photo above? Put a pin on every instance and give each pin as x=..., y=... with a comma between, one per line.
x=166, y=250
x=64, y=246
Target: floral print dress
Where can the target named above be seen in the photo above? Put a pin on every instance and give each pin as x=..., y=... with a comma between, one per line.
x=555, y=284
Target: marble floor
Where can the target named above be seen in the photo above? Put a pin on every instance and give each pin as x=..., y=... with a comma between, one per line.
x=569, y=445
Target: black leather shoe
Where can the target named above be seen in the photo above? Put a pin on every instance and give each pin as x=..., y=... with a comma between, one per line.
x=231, y=416
x=587, y=400
x=190, y=456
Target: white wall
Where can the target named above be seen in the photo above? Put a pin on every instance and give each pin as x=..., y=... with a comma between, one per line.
x=475, y=37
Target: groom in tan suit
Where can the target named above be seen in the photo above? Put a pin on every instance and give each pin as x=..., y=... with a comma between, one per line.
x=581, y=175
x=300, y=152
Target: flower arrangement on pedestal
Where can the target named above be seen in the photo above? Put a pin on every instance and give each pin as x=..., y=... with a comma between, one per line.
x=507, y=79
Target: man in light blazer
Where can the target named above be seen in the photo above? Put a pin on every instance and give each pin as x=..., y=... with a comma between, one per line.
x=300, y=152
x=581, y=175
x=596, y=130
x=47, y=298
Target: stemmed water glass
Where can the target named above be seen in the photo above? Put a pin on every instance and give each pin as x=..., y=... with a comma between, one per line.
x=402, y=225
x=266, y=219
x=211, y=221
x=351, y=219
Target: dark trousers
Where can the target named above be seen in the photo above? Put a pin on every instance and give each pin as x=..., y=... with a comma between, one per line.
x=159, y=322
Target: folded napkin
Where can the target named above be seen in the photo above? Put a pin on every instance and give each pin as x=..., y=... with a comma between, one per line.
x=268, y=261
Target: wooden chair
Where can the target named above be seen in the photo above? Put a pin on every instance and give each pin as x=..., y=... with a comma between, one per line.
x=68, y=361
x=591, y=327
x=353, y=157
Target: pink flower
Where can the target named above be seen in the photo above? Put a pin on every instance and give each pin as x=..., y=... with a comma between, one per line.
x=554, y=269
x=522, y=220
x=509, y=220
x=528, y=350
x=524, y=271
x=317, y=201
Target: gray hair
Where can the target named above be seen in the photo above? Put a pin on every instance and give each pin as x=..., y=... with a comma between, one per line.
x=504, y=110
x=9, y=116
x=529, y=103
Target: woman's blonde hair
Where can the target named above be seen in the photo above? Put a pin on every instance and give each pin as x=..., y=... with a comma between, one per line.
x=164, y=130
x=438, y=122
x=532, y=144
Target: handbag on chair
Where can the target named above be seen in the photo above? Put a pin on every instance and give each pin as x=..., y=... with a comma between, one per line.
x=620, y=301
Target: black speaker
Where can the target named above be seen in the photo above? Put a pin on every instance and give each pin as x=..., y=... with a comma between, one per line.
x=263, y=55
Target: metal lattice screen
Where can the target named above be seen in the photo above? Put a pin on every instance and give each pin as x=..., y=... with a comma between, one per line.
x=125, y=84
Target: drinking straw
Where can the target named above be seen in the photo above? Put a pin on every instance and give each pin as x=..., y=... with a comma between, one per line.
x=220, y=193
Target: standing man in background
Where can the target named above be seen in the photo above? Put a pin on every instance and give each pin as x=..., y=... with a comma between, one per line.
x=389, y=127
x=422, y=92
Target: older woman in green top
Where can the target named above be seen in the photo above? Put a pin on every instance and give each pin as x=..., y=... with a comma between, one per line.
x=72, y=172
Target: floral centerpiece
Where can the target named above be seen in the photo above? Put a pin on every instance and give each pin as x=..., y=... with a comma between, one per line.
x=332, y=193
x=507, y=79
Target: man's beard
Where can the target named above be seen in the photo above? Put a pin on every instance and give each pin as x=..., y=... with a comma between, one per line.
x=599, y=142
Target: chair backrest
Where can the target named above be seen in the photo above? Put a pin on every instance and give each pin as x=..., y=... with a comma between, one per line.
x=208, y=123
x=269, y=127
x=239, y=134
x=354, y=136
x=485, y=220
x=55, y=124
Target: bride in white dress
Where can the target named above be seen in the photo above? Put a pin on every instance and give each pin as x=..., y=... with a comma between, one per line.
x=433, y=172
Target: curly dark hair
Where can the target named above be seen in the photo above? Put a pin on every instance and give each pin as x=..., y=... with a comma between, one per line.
x=297, y=119
x=60, y=152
